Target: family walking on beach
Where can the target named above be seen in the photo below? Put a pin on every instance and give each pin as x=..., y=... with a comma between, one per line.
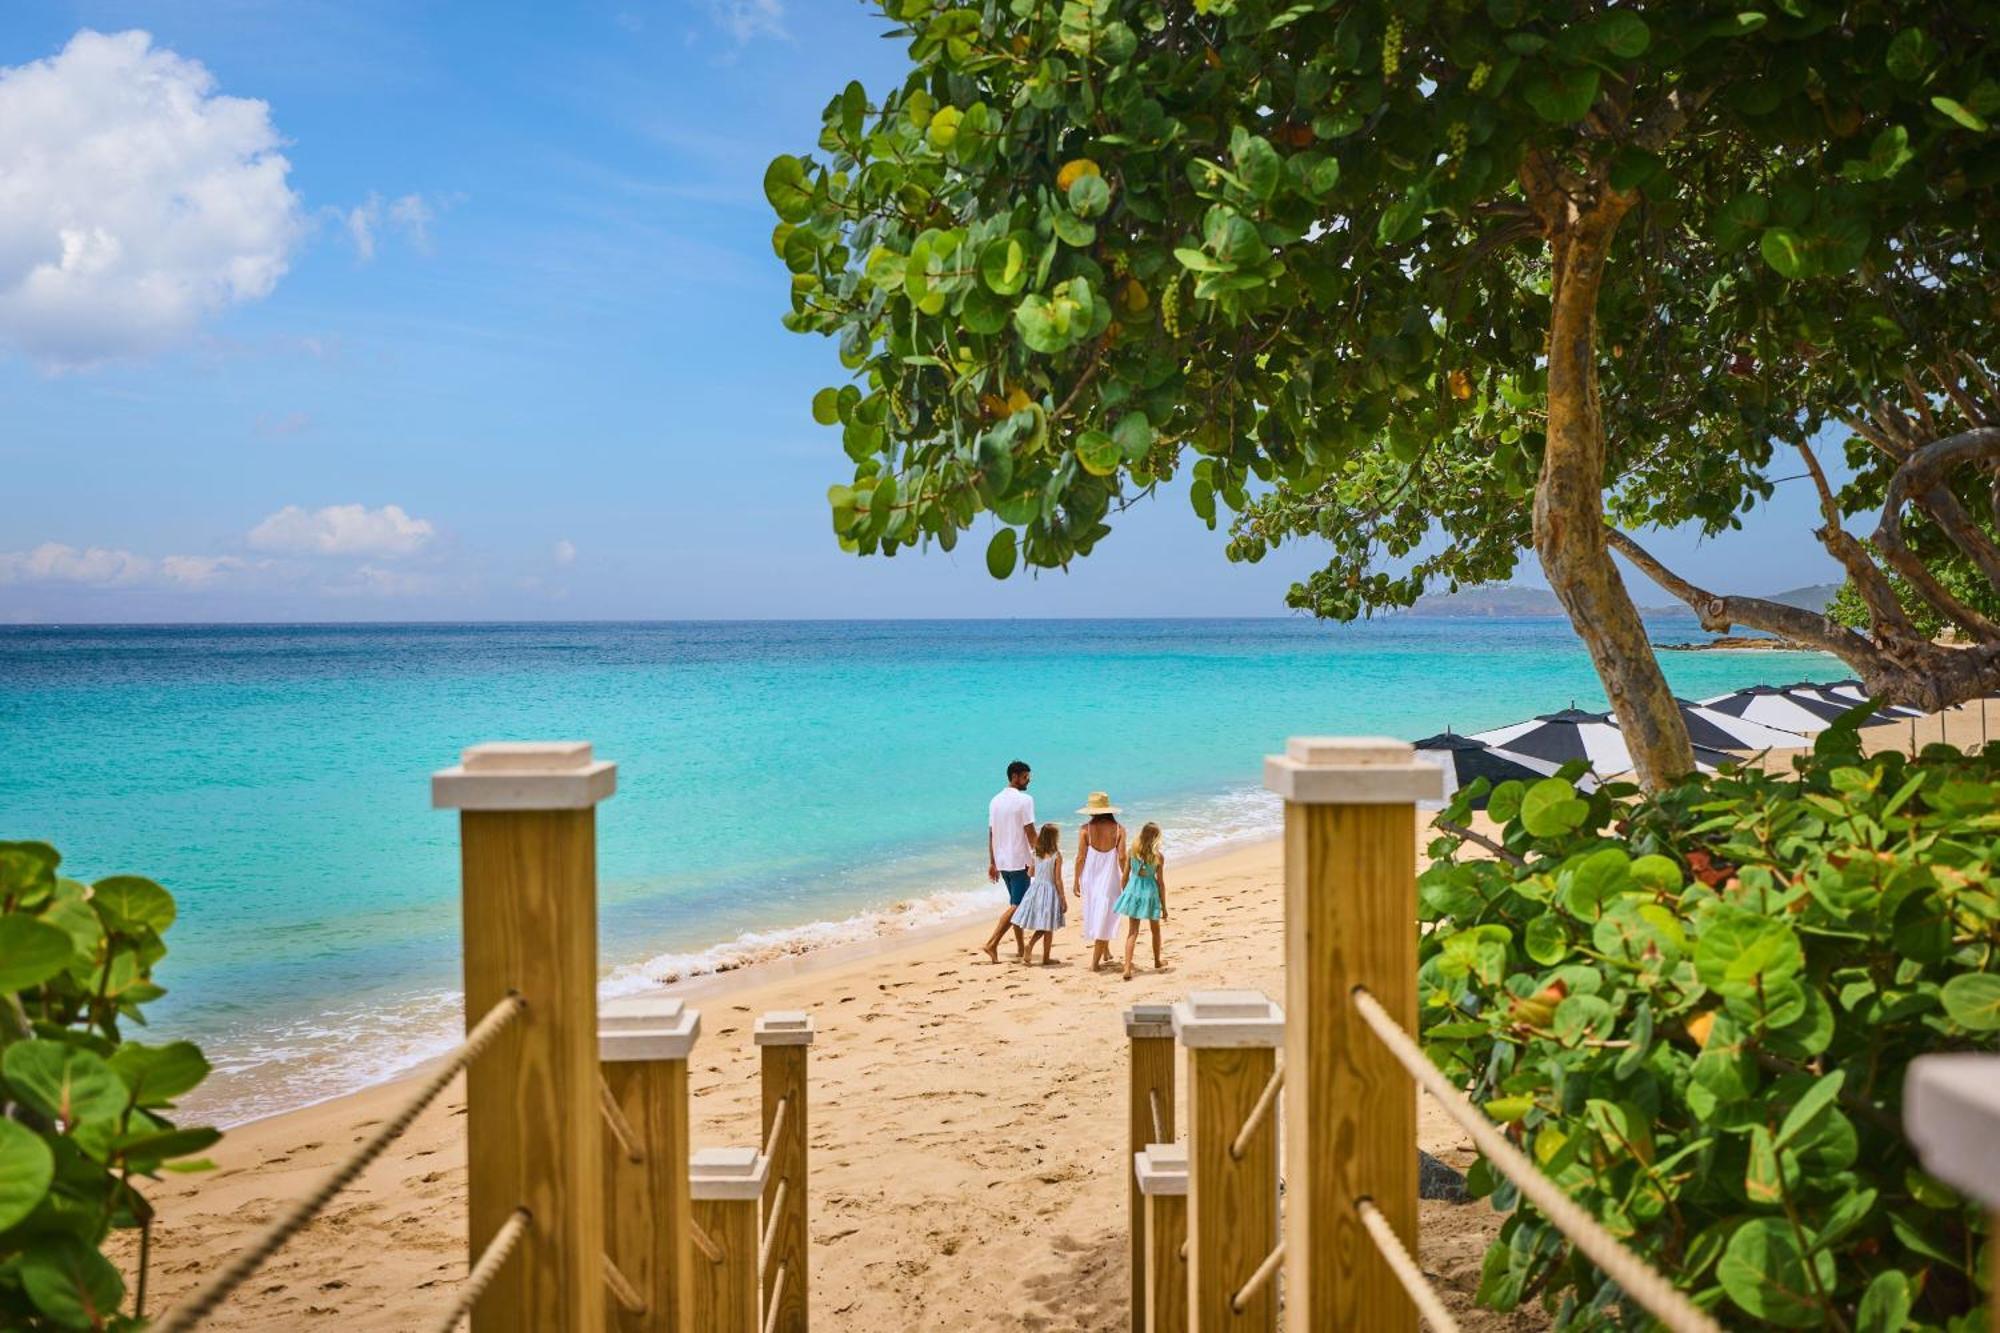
x=1112, y=880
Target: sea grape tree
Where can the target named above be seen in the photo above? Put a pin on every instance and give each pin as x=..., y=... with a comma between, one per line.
x=1367, y=271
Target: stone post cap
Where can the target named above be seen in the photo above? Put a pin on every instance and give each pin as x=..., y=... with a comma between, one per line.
x=784, y=1027
x=1951, y=1111
x=646, y=1027
x=732, y=1174
x=524, y=775
x=1149, y=1020
x=1228, y=1018
x=1162, y=1168
x=1352, y=770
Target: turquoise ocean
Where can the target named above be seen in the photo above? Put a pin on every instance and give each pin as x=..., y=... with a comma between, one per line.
x=782, y=786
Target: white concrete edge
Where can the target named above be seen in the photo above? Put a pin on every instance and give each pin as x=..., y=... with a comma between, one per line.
x=1403, y=783
x=1951, y=1112
x=456, y=788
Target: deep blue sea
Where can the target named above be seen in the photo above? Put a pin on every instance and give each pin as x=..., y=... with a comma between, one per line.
x=781, y=785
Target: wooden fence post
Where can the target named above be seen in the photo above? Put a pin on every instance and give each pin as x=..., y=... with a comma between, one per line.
x=1149, y=1031
x=1161, y=1172
x=727, y=1183
x=528, y=833
x=784, y=1038
x=643, y=1045
x=1350, y=920
x=1232, y=1039
x=1951, y=1111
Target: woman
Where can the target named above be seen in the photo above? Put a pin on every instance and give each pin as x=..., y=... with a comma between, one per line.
x=1100, y=874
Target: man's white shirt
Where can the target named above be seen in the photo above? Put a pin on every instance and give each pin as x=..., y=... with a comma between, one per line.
x=1008, y=816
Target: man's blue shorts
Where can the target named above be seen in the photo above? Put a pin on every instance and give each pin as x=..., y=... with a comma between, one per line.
x=1017, y=885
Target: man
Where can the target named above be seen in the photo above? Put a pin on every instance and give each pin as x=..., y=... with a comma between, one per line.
x=1010, y=854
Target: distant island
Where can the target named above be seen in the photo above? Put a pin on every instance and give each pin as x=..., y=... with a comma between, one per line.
x=1500, y=600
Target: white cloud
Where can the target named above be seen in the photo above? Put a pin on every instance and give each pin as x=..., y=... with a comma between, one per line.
x=342, y=530
x=564, y=552
x=745, y=20
x=196, y=571
x=411, y=214
x=134, y=200
x=53, y=562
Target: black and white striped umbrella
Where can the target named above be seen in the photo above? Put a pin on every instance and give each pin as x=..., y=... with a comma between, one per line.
x=1574, y=734
x=1463, y=759
x=1712, y=730
x=1850, y=693
x=1801, y=710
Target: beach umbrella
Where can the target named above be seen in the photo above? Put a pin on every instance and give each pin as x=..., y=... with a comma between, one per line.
x=1850, y=693
x=1575, y=734
x=1772, y=706
x=1464, y=759
x=1712, y=730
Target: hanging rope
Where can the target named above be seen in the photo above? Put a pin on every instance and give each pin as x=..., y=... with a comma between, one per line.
x=622, y=1290
x=1422, y=1294
x=620, y=1127
x=233, y=1274
x=771, y=1305
x=1265, y=1272
x=1159, y=1124
x=1265, y=1101
x=777, y=1124
x=491, y=1260
x=777, y=1213
x=1639, y=1280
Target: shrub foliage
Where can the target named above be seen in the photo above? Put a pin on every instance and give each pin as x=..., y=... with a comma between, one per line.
x=83, y=1111
x=1697, y=1007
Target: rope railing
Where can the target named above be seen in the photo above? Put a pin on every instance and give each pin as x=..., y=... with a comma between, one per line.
x=1422, y=1294
x=704, y=1242
x=238, y=1270
x=622, y=1290
x=777, y=1126
x=774, y=1303
x=491, y=1260
x=1256, y=1281
x=775, y=1213
x=1252, y=1122
x=621, y=1128
x=1639, y=1280
x=1159, y=1122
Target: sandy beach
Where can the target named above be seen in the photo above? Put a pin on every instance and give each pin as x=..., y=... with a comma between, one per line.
x=968, y=1164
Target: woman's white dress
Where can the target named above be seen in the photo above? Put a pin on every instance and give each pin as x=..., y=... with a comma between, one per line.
x=1098, y=885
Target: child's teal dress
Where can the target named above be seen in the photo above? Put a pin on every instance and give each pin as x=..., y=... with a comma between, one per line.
x=1141, y=899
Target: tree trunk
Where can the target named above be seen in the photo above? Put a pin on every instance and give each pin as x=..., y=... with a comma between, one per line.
x=1569, y=498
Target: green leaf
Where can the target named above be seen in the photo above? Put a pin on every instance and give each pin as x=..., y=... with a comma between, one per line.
x=1581, y=1017
x=1505, y=802
x=1551, y=808
x=1960, y=113
x=785, y=186
x=27, y=871
x=1003, y=265
x=134, y=901
x=1908, y=54
x=71, y=1283
x=1785, y=251
x=825, y=406
x=1623, y=33
x=1000, y=553
x=1507, y=1110
x=1807, y=1109
x=1657, y=874
x=64, y=1083
x=31, y=951
x=1763, y=1271
x=157, y=1075
x=1972, y=1000
x=1885, y=1306
x=26, y=1168
x=1134, y=434
x=1098, y=453
x=1545, y=941
x=1089, y=195
x=1561, y=96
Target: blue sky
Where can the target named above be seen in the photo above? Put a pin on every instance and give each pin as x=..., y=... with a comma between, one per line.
x=497, y=339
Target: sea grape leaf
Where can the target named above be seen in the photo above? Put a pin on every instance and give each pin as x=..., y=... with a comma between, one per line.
x=71, y=1282
x=63, y=1082
x=1972, y=1000
x=26, y=1168
x=31, y=951
x=134, y=901
x=1764, y=1273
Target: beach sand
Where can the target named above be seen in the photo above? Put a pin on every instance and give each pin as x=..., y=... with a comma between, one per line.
x=968, y=1163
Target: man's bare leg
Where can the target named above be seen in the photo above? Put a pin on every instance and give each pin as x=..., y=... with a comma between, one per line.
x=992, y=945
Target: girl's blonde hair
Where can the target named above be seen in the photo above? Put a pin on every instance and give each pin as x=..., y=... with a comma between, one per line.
x=1147, y=849
x=1048, y=840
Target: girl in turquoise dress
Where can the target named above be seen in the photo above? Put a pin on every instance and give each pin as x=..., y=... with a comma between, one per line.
x=1145, y=896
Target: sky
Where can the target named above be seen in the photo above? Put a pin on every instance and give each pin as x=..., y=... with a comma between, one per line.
x=394, y=310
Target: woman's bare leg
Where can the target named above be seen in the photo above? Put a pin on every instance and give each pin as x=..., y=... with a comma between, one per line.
x=1157, y=964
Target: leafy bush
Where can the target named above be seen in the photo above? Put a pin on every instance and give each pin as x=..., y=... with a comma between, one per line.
x=1696, y=1008
x=82, y=1110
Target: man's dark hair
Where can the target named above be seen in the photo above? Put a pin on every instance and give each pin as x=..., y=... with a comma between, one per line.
x=1015, y=770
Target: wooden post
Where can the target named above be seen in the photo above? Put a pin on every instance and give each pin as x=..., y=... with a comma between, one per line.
x=528, y=829
x=643, y=1044
x=1232, y=1039
x=784, y=1038
x=727, y=1183
x=1149, y=1031
x=1951, y=1111
x=1161, y=1174
x=1350, y=920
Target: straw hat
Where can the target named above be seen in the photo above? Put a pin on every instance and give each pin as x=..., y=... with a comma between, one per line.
x=1098, y=804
